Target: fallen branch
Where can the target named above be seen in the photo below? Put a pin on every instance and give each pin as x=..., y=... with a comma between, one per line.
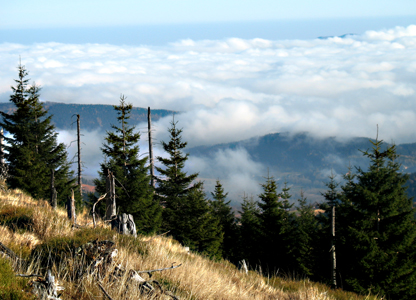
x=10, y=253
x=105, y=293
x=157, y=270
x=31, y=275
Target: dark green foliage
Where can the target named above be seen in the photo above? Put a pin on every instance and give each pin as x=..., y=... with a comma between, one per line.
x=173, y=184
x=186, y=214
x=275, y=225
x=133, y=190
x=377, y=248
x=32, y=150
x=196, y=226
x=302, y=239
x=249, y=231
x=223, y=211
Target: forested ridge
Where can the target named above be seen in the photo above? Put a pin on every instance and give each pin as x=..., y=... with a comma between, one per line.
x=372, y=249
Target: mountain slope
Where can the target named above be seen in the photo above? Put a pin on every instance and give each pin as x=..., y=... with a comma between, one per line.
x=45, y=239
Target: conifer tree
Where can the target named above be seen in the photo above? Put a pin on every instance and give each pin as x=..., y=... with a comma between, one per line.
x=274, y=226
x=173, y=184
x=249, y=231
x=196, y=226
x=222, y=209
x=32, y=150
x=133, y=190
x=302, y=250
x=377, y=250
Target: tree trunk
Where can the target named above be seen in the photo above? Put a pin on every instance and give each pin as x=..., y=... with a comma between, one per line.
x=79, y=155
x=152, y=167
x=71, y=208
x=54, y=195
x=111, y=197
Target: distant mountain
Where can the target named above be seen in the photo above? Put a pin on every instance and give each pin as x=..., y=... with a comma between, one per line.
x=304, y=161
x=93, y=116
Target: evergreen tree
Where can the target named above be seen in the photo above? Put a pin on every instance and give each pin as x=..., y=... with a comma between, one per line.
x=32, y=150
x=222, y=209
x=249, y=231
x=274, y=226
x=377, y=251
x=174, y=185
x=133, y=190
x=196, y=226
x=302, y=239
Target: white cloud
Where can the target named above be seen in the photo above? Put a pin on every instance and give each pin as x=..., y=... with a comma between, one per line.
x=233, y=89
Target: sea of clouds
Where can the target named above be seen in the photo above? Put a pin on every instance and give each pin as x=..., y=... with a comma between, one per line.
x=234, y=89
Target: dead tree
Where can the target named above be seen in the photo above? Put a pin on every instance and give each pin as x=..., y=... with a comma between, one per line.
x=54, y=194
x=111, y=196
x=152, y=167
x=79, y=155
x=71, y=208
x=1, y=147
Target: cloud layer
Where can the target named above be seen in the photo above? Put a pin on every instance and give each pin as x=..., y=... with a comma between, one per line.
x=234, y=89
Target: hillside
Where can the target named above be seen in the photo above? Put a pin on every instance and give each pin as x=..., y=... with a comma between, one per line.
x=45, y=239
x=93, y=116
x=305, y=161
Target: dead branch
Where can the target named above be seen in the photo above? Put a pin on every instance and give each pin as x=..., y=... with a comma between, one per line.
x=10, y=253
x=31, y=275
x=93, y=207
x=46, y=288
x=105, y=293
x=157, y=270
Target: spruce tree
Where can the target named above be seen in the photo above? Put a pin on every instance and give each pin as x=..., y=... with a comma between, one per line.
x=173, y=184
x=377, y=250
x=222, y=209
x=187, y=213
x=302, y=239
x=249, y=232
x=32, y=150
x=196, y=226
x=274, y=226
x=133, y=190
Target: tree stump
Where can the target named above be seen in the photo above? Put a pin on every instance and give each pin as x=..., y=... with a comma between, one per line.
x=124, y=224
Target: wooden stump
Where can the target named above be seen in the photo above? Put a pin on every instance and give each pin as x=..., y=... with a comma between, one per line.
x=124, y=224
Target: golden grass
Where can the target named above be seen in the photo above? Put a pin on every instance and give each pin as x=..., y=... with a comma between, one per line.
x=197, y=278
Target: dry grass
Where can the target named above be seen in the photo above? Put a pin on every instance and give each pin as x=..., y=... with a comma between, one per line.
x=46, y=236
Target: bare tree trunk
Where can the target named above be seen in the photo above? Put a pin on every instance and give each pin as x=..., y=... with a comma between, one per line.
x=54, y=195
x=334, y=260
x=111, y=196
x=71, y=208
x=1, y=147
x=79, y=156
x=152, y=166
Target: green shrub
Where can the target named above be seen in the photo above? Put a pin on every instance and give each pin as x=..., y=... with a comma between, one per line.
x=12, y=287
x=17, y=218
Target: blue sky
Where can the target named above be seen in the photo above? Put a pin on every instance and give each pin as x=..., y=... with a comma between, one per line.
x=81, y=13
x=160, y=22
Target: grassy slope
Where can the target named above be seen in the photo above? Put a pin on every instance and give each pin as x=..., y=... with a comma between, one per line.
x=45, y=238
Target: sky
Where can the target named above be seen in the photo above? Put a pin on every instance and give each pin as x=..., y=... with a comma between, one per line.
x=233, y=69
